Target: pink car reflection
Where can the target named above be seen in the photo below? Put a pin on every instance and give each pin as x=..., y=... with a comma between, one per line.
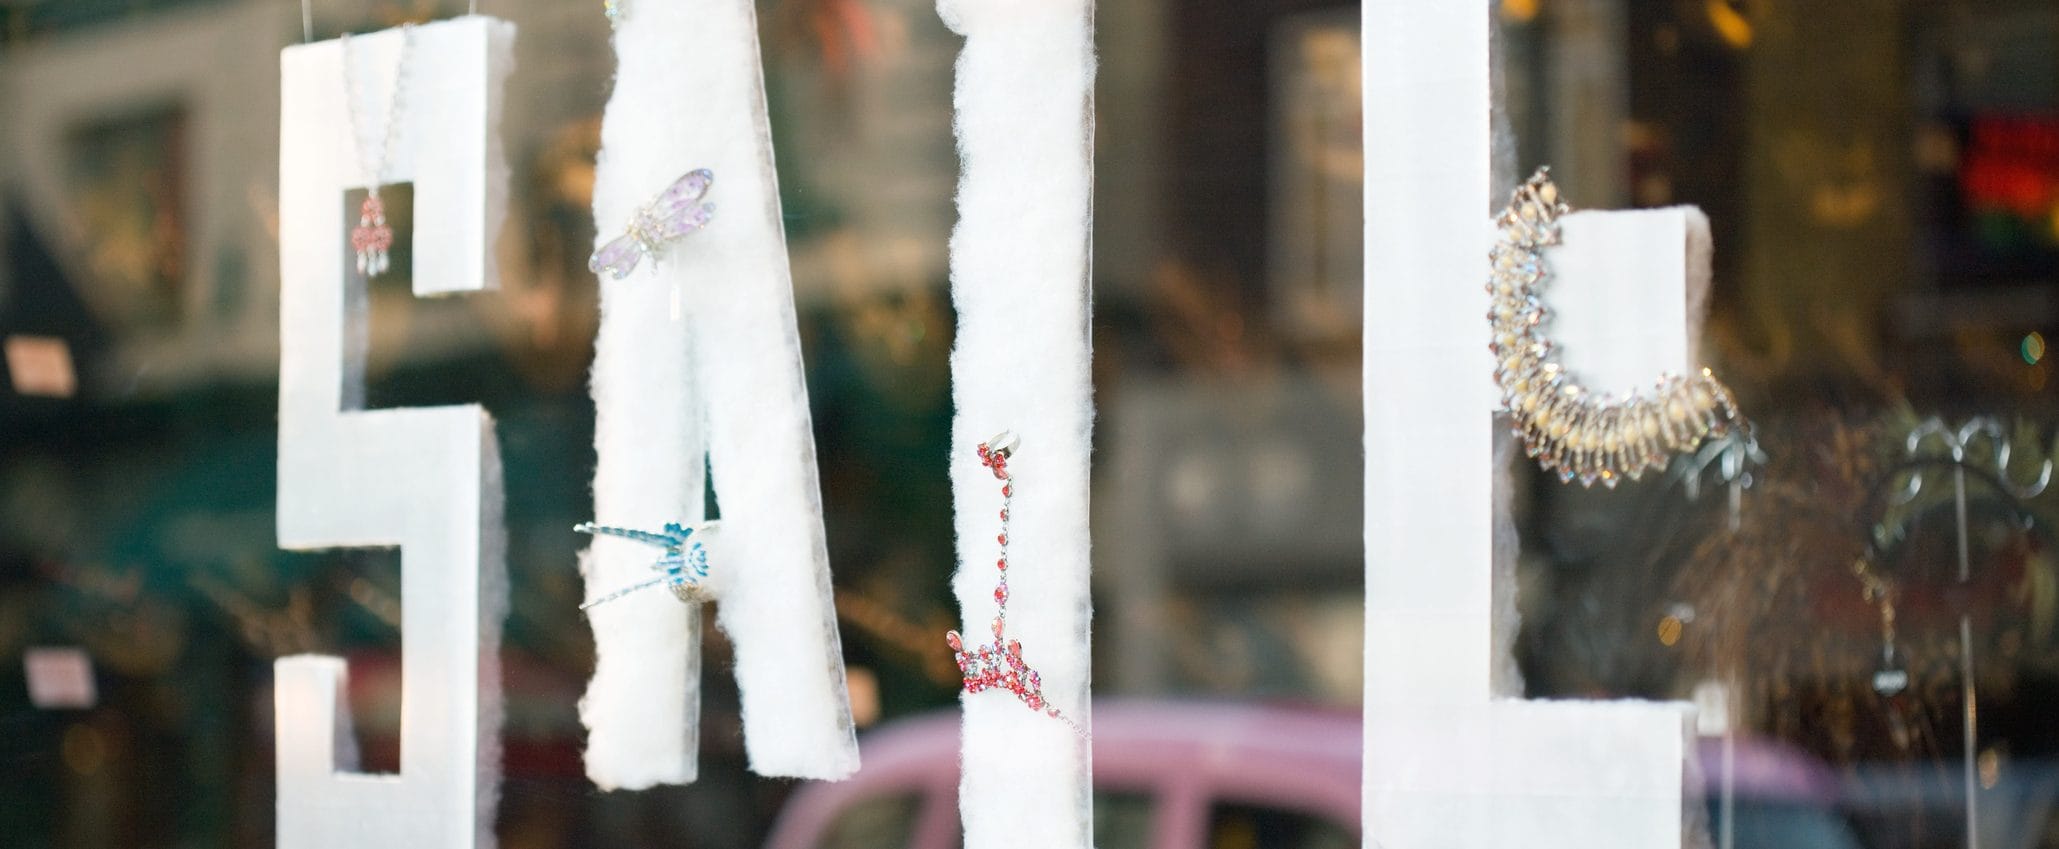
x=1184, y=775
x=1167, y=775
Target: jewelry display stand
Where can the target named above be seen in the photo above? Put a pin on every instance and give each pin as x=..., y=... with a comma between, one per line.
x=1019, y=280
x=425, y=479
x=1453, y=756
x=698, y=360
x=1958, y=444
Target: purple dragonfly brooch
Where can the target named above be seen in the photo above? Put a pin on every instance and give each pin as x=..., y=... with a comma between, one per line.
x=675, y=213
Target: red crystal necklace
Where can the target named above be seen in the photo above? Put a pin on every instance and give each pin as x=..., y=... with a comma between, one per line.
x=999, y=664
x=372, y=238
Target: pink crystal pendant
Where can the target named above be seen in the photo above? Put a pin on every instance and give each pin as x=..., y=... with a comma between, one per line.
x=999, y=665
x=371, y=238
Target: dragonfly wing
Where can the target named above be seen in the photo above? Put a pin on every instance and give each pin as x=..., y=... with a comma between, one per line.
x=681, y=210
x=616, y=258
x=660, y=540
x=685, y=220
x=684, y=191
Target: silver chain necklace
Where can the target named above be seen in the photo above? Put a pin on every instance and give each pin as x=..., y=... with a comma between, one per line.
x=372, y=238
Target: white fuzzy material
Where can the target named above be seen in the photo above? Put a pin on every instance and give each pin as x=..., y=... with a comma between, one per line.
x=1447, y=763
x=1019, y=279
x=698, y=351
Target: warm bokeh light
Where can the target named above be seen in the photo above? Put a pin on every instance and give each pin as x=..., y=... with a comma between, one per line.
x=1730, y=25
x=1669, y=630
x=863, y=686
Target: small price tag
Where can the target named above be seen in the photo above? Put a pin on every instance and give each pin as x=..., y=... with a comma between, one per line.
x=60, y=678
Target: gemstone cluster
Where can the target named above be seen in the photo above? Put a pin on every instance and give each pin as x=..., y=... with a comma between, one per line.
x=1569, y=430
x=372, y=238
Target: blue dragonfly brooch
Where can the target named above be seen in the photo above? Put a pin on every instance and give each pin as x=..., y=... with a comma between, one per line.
x=683, y=567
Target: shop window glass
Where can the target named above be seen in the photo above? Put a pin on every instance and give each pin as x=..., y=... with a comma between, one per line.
x=1246, y=826
x=880, y=821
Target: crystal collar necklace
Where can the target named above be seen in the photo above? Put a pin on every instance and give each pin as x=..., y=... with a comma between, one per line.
x=1565, y=427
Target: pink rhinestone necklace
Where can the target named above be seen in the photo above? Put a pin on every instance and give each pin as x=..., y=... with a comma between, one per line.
x=372, y=238
x=999, y=664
